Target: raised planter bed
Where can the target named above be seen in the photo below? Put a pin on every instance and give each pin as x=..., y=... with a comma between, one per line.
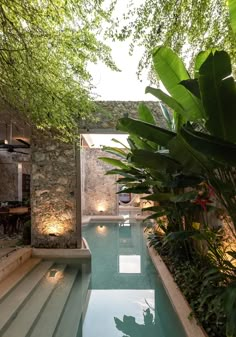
x=181, y=306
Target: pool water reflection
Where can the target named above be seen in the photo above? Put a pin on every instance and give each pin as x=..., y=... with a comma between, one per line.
x=126, y=297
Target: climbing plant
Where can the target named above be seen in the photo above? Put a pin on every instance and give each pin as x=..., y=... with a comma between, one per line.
x=184, y=25
x=45, y=47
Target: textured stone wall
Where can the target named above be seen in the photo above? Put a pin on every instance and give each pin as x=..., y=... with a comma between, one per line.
x=53, y=181
x=53, y=188
x=99, y=190
x=106, y=113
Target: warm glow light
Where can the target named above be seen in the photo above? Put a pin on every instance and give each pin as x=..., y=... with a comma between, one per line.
x=101, y=207
x=54, y=228
x=54, y=275
x=147, y=203
x=101, y=229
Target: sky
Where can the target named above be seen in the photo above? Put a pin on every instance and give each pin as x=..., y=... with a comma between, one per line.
x=123, y=85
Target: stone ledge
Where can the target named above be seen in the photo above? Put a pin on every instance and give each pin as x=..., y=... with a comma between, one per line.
x=14, y=260
x=94, y=218
x=179, y=303
x=51, y=253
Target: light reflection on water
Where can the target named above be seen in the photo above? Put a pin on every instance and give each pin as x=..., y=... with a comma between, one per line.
x=106, y=307
x=127, y=298
x=101, y=230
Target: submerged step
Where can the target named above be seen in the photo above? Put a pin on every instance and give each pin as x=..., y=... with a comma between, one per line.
x=15, y=277
x=69, y=322
x=53, y=310
x=22, y=323
x=12, y=303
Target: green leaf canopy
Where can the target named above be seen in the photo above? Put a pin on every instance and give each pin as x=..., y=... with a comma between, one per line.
x=145, y=130
x=218, y=93
x=171, y=71
x=45, y=49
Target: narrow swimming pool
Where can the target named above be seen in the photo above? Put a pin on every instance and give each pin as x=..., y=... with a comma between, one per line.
x=126, y=297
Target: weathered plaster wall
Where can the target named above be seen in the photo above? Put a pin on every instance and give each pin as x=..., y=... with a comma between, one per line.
x=53, y=188
x=107, y=113
x=99, y=190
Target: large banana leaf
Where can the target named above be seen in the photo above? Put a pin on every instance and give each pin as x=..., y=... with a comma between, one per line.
x=118, y=142
x=212, y=148
x=129, y=173
x=180, y=150
x=181, y=180
x=114, y=162
x=159, y=197
x=115, y=150
x=143, y=144
x=155, y=161
x=132, y=143
x=187, y=196
x=136, y=189
x=153, y=209
x=218, y=92
x=168, y=100
x=232, y=13
x=200, y=59
x=127, y=180
x=145, y=114
x=167, y=115
x=171, y=72
x=193, y=86
x=145, y=130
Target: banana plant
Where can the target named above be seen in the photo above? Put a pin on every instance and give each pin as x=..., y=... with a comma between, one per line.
x=206, y=103
x=158, y=174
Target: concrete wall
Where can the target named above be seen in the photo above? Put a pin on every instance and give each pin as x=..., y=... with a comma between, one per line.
x=53, y=188
x=98, y=190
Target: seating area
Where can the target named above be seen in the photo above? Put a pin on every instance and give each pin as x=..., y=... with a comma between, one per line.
x=13, y=215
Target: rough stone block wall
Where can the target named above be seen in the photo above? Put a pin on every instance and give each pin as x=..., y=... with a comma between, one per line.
x=99, y=195
x=53, y=188
x=108, y=112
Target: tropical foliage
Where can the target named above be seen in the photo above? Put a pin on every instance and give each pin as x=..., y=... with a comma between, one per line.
x=45, y=49
x=198, y=155
x=185, y=26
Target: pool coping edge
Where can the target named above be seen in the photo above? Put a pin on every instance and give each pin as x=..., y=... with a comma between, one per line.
x=179, y=303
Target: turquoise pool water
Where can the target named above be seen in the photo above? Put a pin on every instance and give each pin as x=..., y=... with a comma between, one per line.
x=126, y=297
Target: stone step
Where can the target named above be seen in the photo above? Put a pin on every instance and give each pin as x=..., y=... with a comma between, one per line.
x=11, y=281
x=69, y=322
x=15, y=259
x=13, y=302
x=54, y=308
x=25, y=319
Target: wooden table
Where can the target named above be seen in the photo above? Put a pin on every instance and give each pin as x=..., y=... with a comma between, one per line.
x=11, y=218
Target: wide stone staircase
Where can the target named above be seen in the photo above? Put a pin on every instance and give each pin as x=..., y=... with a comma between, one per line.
x=43, y=299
